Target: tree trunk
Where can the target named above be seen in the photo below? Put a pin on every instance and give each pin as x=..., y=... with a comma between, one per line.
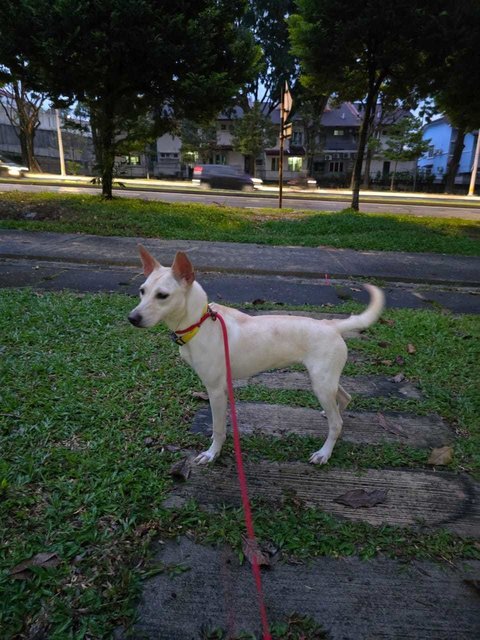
x=368, y=162
x=104, y=145
x=394, y=172
x=455, y=160
x=29, y=137
x=357, y=169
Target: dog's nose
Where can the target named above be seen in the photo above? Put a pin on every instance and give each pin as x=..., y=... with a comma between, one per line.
x=135, y=319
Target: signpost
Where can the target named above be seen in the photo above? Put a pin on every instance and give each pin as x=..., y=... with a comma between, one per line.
x=285, y=132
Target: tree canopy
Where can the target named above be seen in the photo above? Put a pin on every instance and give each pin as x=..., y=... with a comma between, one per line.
x=353, y=48
x=125, y=61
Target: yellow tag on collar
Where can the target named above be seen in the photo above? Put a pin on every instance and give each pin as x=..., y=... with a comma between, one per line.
x=183, y=338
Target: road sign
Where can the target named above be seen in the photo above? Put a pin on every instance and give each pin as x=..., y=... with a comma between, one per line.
x=287, y=130
x=287, y=99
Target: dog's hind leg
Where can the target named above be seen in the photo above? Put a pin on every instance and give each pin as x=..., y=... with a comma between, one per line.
x=331, y=396
x=329, y=403
x=343, y=398
x=218, y=405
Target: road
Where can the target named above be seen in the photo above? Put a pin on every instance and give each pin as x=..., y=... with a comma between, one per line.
x=264, y=200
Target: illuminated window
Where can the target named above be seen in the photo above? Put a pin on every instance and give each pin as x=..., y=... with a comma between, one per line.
x=295, y=164
x=338, y=132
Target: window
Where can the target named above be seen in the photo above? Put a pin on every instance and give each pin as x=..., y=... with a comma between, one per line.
x=297, y=137
x=275, y=164
x=338, y=132
x=431, y=151
x=336, y=167
x=295, y=164
x=130, y=159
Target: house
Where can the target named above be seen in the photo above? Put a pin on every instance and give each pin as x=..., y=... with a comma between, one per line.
x=442, y=138
x=380, y=168
x=334, y=149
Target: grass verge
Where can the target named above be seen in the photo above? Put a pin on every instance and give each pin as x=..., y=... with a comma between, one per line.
x=94, y=414
x=187, y=221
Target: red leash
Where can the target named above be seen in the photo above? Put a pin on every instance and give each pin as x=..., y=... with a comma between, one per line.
x=177, y=338
x=243, y=481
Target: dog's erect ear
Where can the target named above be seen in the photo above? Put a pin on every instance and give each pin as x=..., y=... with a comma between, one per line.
x=182, y=268
x=148, y=261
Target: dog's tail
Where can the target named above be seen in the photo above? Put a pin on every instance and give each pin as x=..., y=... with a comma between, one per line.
x=369, y=316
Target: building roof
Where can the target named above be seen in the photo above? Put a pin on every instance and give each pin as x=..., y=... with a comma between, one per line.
x=344, y=115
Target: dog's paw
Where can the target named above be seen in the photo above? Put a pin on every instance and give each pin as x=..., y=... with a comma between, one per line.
x=320, y=457
x=206, y=457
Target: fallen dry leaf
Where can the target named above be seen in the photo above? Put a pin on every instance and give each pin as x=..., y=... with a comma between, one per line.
x=411, y=348
x=181, y=469
x=441, y=456
x=391, y=323
x=391, y=428
x=361, y=498
x=201, y=395
x=400, y=377
x=44, y=560
x=253, y=552
x=383, y=344
x=387, y=363
x=400, y=360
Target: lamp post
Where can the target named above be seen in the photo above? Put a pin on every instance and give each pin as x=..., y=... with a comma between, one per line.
x=285, y=132
x=473, y=177
x=60, y=144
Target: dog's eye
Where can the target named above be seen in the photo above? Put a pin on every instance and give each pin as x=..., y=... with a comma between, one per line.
x=162, y=296
x=142, y=291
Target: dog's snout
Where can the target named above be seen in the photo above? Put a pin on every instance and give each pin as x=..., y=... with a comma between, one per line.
x=135, y=319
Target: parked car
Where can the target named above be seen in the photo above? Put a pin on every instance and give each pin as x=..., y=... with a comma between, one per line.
x=222, y=176
x=11, y=169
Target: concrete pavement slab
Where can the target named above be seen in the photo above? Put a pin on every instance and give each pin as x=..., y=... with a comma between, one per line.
x=359, y=427
x=425, y=499
x=370, y=386
x=349, y=598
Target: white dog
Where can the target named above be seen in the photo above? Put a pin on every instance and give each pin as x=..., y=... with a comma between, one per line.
x=173, y=296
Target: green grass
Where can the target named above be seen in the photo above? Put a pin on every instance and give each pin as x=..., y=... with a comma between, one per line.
x=90, y=409
x=135, y=217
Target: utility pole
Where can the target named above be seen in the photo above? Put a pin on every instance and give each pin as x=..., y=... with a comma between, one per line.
x=473, y=177
x=285, y=132
x=60, y=144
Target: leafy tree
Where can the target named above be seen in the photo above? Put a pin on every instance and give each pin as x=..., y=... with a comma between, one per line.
x=198, y=139
x=267, y=21
x=22, y=109
x=253, y=133
x=405, y=142
x=129, y=62
x=353, y=48
x=453, y=58
x=310, y=107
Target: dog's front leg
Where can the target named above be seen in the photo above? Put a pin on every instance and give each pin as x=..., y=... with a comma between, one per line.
x=218, y=405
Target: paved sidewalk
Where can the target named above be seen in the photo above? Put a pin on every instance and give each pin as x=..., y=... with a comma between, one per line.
x=243, y=273
x=251, y=259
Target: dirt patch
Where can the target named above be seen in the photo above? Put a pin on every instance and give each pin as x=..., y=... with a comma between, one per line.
x=38, y=211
